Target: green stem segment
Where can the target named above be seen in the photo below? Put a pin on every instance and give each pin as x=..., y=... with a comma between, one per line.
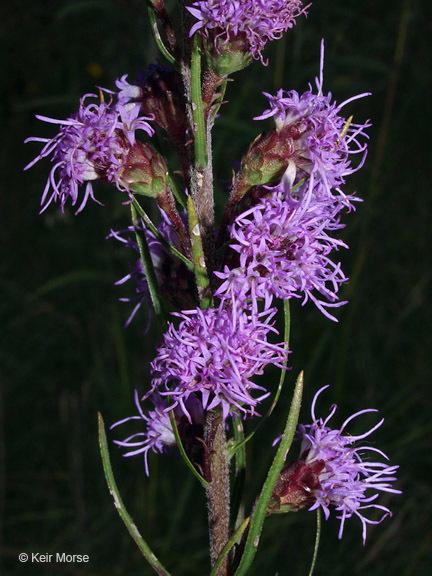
x=201, y=175
x=199, y=127
x=260, y=510
x=120, y=507
x=199, y=263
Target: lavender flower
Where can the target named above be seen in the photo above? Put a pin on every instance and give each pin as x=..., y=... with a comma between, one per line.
x=158, y=435
x=91, y=145
x=283, y=243
x=285, y=239
x=334, y=471
x=215, y=353
x=258, y=22
x=323, y=140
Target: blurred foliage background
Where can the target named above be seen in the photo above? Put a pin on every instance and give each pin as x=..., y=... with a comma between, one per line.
x=64, y=354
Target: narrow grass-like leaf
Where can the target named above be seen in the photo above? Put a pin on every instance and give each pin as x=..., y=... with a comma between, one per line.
x=157, y=37
x=228, y=546
x=287, y=321
x=185, y=457
x=237, y=505
x=178, y=195
x=77, y=276
x=260, y=510
x=149, y=224
x=120, y=507
x=317, y=540
x=149, y=271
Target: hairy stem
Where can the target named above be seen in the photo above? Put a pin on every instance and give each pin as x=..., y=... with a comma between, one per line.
x=218, y=496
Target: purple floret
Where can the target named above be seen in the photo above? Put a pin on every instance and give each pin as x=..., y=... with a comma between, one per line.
x=158, y=435
x=324, y=141
x=215, y=354
x=284, y=247
x=258, y=21
x=347, y=480
x=91, y=145
x=285, y=241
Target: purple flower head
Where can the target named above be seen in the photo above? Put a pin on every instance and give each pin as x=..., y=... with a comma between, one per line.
x=258, y=21
x=158, y=435
x=347, y=480
x=284, y=244
x=215, y=353
x=323, y=139
x=93, y=144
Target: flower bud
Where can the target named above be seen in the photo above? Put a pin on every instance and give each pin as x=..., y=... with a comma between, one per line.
x=294, y=487
x=145, y=171
x=226, y=57
x=248, y=25
x=266, y=160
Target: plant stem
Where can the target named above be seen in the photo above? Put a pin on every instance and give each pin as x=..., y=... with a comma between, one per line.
x=217, y=492
x=202, y=173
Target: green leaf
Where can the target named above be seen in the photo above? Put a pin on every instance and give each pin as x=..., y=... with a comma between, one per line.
x=260, y=510
x=197, y=106
x=237, y=504
x=317, y=539
x=185, y=457
x=120, y=507
x=158, y=39
x=149, y=271
x=149, y=224
x=228, y=546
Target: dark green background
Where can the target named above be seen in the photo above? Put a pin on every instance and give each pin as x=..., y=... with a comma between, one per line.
x=64, y=354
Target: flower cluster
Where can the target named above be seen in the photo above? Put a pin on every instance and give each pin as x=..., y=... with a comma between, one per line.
x=214, y=354
x=93, y=144
x=323, y=140
x=333, y=471
x=257, y=22
x=283, y=246
x=285, y=239
x=158, y=435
